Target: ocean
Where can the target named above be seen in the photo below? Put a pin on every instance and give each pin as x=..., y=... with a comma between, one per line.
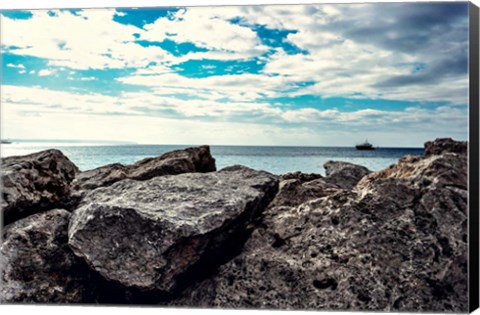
x=277, y=160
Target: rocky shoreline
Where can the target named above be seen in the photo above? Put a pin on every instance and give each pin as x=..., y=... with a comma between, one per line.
x=174, y=231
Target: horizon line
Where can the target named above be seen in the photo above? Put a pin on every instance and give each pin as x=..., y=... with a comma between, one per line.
x=133, y=143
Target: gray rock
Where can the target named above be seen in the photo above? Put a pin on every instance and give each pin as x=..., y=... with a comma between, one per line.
x=161, y=233
x=444, y=145
x=190, y=160
x=34, y=183
x=302, y=177
x=344, y=174
x=197, y=159
x=37, y=264
x=293, y=192
x=396, y=242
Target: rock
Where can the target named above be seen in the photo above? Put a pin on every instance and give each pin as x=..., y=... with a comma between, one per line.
x=34, y=183
x=196, y=159
x=293, y=192
x=302, y=177
x=190, y=160
x=443, y=145
x=449, y=170
x=162, y=233
x=37, y=264
x=396, y=242
x=100, y=177
x=344, y=174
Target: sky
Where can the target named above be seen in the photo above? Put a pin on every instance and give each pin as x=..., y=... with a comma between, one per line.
x=307, y=75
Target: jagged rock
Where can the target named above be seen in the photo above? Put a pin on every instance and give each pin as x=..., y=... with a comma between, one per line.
x=344, y=174
x=444, y=145
x=448, y=169
x=34, y=183
x=196, y=159
x=37, y=264
x=162, y=233
x=396, y=242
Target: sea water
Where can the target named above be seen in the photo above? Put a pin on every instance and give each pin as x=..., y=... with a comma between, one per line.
x=274, y=159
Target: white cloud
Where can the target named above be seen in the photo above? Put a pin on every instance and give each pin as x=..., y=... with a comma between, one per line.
x=205, y=28
x=239, y=87
x=45, y=72
x=253, y=122
x=19, y=66
x=113, y=44
x=339, y=66
x=40, y=113
x=89, y=40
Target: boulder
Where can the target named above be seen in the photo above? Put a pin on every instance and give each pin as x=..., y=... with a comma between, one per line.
x=396, y=242
x=197, y=159
x=162, y=233
x=443, y=145
x=343, y=174
x=37, y=264
x=34, y=183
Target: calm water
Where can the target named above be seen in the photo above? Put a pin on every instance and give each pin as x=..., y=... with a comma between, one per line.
x=277, y=160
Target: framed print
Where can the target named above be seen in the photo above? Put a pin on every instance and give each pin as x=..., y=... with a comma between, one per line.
x=284, y=157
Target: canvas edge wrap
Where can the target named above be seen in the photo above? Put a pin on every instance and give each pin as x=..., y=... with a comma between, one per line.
x=474, y=158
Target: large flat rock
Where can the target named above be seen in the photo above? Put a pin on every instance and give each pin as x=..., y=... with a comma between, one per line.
x=37, y=264
x=34, y=183
x=397, y=241
x=157, y=234
x=196, y=159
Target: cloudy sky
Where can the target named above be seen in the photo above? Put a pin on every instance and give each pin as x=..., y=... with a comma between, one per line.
x=394, y=73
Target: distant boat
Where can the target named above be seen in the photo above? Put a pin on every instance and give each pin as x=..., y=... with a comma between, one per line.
x=365, y=146
x=5, y=142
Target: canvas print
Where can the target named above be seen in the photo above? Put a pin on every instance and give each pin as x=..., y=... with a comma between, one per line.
x=301, y=157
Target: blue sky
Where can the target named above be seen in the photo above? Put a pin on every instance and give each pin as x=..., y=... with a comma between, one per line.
x=394, y=73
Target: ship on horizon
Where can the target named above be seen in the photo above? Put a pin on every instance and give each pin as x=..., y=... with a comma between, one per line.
x=366, y=146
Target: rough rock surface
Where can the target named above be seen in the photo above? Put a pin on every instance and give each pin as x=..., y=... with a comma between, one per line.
x=160, y=233
x=294, y=191
x=34, y=183
x=37, y=264
x=197, y=159
x=443, y=145
x=396, y=242
x=343, y=174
